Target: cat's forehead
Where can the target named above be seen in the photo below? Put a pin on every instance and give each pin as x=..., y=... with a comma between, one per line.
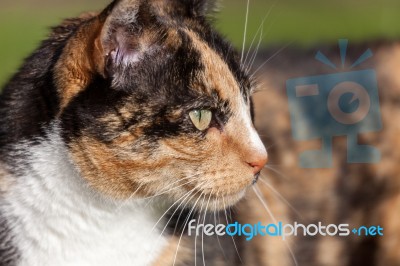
x=216, y=74
x=218, y=69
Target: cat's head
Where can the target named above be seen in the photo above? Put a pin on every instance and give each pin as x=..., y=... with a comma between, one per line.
x=154, y=101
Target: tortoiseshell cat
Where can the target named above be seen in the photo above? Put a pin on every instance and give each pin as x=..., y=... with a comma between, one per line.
x=113, y=119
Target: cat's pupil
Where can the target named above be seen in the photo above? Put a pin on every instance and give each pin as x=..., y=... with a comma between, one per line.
x=201, y=119
x=198, y=114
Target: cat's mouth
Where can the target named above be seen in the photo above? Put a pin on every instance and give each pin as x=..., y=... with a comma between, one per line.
x=220, y=195
x=256, y=177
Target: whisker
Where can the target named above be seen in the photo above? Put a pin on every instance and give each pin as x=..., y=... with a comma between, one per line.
x=195, y=238
x=169, y=220
x=276, y=171
x=245, y=31
x=233, y=240
x=215, y=223
x=169, y=190
x=174, y=188
x=162, y=216
x=291, y=253
x=254, y=55
x=280, y=196
x=252, y=42
x=128, y=199
x=270, y=58
x=262, y=200
x=183, y=208
x=186, y=221
x=230, y=212
x=204, y=221
x=258, y=30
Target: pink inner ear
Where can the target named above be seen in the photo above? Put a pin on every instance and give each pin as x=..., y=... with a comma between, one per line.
x=126, y=52
x=124, y=57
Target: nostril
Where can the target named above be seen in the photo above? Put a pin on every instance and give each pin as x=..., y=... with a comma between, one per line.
x=259, y=164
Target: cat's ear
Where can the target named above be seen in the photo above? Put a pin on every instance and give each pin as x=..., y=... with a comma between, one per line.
x=130, y=28
x=123, y=38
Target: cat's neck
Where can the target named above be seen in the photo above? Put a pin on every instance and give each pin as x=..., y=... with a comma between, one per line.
x=56, y=216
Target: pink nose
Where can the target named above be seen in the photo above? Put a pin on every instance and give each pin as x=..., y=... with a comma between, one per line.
x=258, y=162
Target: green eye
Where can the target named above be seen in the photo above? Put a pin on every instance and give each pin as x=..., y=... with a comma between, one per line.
x=201, y=118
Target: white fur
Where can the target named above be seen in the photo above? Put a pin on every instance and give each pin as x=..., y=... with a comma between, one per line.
x=251, y=134
x=59, y=220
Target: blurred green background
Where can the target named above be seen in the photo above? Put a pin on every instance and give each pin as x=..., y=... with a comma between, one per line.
x=24, y=23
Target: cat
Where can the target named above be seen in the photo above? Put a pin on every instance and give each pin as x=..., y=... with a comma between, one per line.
x=113, y=123
x=117, y=119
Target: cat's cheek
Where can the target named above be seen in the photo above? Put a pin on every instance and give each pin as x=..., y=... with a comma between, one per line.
x=221, y=139
x=214, y=133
